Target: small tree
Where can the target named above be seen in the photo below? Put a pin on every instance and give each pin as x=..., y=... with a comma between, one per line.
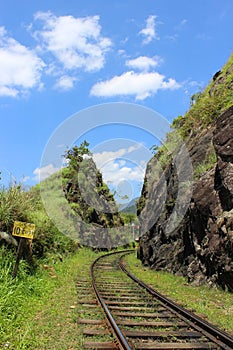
x=76, y=154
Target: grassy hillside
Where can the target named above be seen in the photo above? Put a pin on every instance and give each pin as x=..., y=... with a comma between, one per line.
x=207, y=105
x=18, y=204
x=58, y=209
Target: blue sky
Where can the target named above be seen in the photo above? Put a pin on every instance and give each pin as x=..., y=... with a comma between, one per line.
x=58, y=58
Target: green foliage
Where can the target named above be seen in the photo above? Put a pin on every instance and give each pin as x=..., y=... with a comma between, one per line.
x=206, y=106
x=141, y=202
x=76, y=154
x=81, y=174
x=204, y=109
x=178, y=122
x=168, y=148
x=128, y=218
x=194, y=98
x=15, y=204
x=208, y=164
x=49, y=243
x=33, y=306
x=14, y=296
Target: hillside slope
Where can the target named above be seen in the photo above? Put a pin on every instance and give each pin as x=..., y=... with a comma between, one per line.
x=200, y=246
x=80, y=203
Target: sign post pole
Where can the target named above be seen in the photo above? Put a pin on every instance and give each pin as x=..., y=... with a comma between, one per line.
x=18, y=256
x=25, y=231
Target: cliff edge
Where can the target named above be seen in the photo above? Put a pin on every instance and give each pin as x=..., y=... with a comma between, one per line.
x=201, y=246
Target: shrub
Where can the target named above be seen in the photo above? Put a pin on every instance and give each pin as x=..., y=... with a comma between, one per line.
x=15, y=204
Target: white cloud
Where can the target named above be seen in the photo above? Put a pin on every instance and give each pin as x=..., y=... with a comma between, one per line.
x=141, y=85
x=20, y=67
x=65, y=83
x=44, y=172
x=171, y=84
x=103, y=157
x=118, y=165
x=77, y=43
x=122, y=53
x=192, y=86
x=144, y=63
x=149, y=33
x=24, y=179
x=8, y=91
x=113, y=172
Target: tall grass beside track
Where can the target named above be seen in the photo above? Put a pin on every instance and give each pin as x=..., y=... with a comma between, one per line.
x=39, y=311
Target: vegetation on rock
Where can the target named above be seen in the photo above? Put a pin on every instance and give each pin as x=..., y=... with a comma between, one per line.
x=207, y=105
x=200, y=246
x=86, y=191
x=199, y=120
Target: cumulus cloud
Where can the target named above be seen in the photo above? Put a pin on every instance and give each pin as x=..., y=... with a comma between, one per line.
x=44, y=172
x=76, y=43
x=143, y=63
x=149, y=33
x=114, y=173
x=65, y=83
x=121, y=165
x=20, y=67
x=141, y=85
x=103, y=157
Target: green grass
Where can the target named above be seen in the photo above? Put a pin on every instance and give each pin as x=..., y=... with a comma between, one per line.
x=212, y=304
x=41, y=311
x=207, y=165
x=205, y=107
x=14, y=205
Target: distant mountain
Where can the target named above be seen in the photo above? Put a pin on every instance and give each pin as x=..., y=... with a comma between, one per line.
x=130, y=208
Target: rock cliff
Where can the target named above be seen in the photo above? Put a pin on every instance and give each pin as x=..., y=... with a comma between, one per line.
x=201, y=246
x=91, y=202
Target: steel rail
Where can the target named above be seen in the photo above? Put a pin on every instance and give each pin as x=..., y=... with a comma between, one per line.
x=120, y=337
x=220, y=337
x=217, y=336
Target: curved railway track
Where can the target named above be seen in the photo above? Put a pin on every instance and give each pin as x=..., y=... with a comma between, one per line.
x=141, y=318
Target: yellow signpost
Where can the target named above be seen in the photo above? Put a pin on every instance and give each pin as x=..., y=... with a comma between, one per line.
x=24, y=230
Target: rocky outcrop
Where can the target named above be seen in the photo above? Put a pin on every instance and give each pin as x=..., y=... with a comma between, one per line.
x=7, y=239
x=201, y=246
x=94, y=206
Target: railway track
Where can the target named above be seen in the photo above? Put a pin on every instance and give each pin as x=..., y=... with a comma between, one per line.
x=138, y=317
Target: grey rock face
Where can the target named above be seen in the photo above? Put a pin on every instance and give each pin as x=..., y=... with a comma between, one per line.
x=201, y=246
